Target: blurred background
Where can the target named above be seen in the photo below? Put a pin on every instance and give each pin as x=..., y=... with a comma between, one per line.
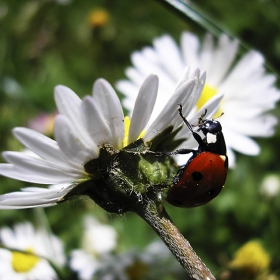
x=45, y=43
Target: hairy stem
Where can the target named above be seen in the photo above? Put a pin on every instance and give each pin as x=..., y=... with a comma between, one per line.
x=154, y=213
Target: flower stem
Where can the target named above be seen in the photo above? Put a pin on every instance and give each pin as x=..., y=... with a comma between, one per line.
x=154, y=213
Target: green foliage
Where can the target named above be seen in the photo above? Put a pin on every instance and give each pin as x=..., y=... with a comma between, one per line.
x=44, y=43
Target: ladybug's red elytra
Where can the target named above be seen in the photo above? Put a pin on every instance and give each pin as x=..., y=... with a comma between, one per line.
x=204, y=175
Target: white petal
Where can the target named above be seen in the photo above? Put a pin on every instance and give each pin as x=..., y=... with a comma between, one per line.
x=249, y=67
x=190, y=48
x=169, y=113
x=43, y=146
x=231, y=157
x=222, y=59
x=173, y=64
x=258, y=91
x=206, y=53
x=70, y=143
x=245, y=111
x=130, y=91
x=145, y=67
x=84, y=264
x=199, y=84
x=96, y=125
x=241, y=143
x=186, y=75
x=26, y=168
x=143, y=107
x=108, y=102
x=69, y=104
x=165, y=92
x=136, y=77
x=34, y=197
x=150, y=54
x=261, y=126
x=189, y=104
x=18, y=173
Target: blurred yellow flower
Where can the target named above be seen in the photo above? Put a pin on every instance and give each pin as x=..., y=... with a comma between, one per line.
x=251, y=258
x=98, y=17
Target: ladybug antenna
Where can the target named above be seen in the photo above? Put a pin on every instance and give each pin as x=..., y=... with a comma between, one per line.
x=183, y=118
x=200, y=119
x=218, y=116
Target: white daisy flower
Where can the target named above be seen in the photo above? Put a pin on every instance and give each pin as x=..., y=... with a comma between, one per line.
x=98, y=240
x=248, y=91
x=82, y=130
x=39, y=246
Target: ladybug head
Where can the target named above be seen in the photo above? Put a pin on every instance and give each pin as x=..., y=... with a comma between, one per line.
x=210, y=126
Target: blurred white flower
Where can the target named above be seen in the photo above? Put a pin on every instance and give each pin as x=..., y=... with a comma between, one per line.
x=131, y=264
x=39, y=246
x=98, y=240
x=270, y=186
x=248, y=91
x=81, y=128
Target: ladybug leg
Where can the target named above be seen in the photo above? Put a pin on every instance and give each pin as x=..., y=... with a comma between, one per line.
x=195, y=135
x=197, y=138
x=184, y=119
x=177, y=177
x=182, y=151
x=159, y=154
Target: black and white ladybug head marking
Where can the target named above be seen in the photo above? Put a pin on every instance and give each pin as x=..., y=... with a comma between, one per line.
x=210, y=126
x=213, y=141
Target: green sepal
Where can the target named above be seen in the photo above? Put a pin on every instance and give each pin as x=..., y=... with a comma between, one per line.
x=165, y=141
x=121, y=179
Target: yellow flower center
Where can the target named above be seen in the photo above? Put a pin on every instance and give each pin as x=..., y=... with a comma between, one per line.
x=23, y=262
x=126, y=131
x=207, y=93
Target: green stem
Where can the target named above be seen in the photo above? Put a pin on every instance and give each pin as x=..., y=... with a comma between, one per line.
x=154, y=213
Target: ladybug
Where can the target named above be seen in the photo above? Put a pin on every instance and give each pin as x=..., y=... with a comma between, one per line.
x=204, y=175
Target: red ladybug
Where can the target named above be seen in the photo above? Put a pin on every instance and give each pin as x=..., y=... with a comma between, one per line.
x=204, y=175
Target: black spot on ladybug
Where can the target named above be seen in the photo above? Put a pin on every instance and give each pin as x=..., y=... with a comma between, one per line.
x=197, y=176
x=211, y=192
x=203, y=176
